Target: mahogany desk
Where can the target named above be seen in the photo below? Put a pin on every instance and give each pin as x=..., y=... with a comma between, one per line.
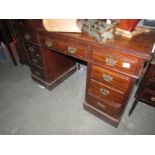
x=113, y=67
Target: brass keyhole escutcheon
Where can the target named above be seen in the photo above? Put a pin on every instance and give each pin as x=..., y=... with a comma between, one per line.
x=110, y=61
x=49, y=43
x=107, y=78
x=27, y=37
x=104, y=91
x=72, y=50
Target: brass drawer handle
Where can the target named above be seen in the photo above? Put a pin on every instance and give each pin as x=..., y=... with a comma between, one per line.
x=37, y=73
x=72, y=50
x=101, y=105
x=35, y=61
x=49, y=43
x=31, y=49
x=110, y=61
x=104, y=91
x=152, y=99
x=27, y=37
x=107, y=78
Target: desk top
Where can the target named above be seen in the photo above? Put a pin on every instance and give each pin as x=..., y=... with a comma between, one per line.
x=140, y=45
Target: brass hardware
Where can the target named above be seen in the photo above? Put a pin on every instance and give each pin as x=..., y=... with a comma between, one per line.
x=49, y=43
x=152, y=99
x=101, y=105
x=104, y=91
x=72, y=50
x=31, y=49
x=34, y=61
x=110, y=61
x=27, y=37
x=107, y=78
x=37, y=73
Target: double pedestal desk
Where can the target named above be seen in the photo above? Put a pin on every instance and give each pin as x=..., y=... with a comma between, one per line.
x=113, y=67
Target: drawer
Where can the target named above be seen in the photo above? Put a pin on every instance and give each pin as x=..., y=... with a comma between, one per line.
x=153, y=75
x=78, y=50
x=117, y=60
x=37, y=72
x=30, y=37
x=148, y=97
x=106, y=93
x=151, y=85
x=103, y=106
x=36, y=61
x=111, y=78
x=53, y=44
x=74, y=49
x=33, y=50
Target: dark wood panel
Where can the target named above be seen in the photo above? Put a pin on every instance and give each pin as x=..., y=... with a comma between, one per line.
x=55, y=64
x=103, y=106
x=37, y=61
x=151, y=85
x=38, y=72
x=21, y=49
x=105, y=92
x=111, y=78
x=148, y=97
x=118, y=61
x=68, y=47
x=54, y=44
x=33, y=50
x=30, y=37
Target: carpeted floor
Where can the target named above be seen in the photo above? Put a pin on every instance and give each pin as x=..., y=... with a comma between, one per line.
x=26, y=108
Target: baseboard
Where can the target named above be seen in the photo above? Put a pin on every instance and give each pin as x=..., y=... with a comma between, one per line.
x=57, y=81
x=101, y=115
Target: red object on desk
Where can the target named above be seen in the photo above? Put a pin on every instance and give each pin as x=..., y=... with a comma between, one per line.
x=128, y=24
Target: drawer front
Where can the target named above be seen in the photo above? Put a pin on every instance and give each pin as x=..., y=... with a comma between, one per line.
x=70, y=48
x=36, y=61
x=22, y=50
x=148, y=97
x=30, y=37
x=117, y=60
x=54, y=44
x=106, y=93
x=37, y=72
x=151, y=85
x=110, y=78
x=77, y=50
x=103, y=106
x=153, y=75
x=33, y=50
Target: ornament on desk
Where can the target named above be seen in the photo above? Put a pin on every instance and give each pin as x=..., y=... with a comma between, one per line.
x=101, y=30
